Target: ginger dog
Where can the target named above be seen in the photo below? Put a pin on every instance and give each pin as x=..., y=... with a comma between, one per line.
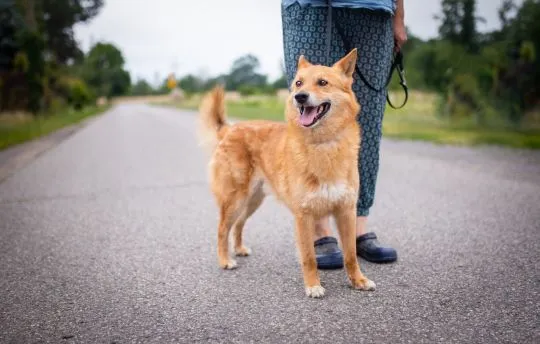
x=309, y=163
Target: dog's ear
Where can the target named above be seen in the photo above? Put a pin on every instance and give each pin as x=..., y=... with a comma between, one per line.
x=347, y=64
x=303, y=62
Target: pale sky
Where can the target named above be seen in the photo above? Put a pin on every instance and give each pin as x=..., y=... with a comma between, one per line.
x=204, y=37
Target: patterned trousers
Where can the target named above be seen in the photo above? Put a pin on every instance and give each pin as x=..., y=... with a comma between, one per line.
x=304, y=32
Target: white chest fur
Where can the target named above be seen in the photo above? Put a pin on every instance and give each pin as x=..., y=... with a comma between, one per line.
x=329, y=194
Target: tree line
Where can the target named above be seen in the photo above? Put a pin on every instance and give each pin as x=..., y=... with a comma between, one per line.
x=43, y=69
x=488, y=77
x=483, y=76
x=243, y=77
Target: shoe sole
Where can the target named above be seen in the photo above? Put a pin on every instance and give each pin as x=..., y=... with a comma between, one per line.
x=331, y=261
x=379, y=260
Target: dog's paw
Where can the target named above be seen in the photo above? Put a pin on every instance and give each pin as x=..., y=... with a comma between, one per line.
x=242, y=251
x=229, y=264
x=316, y=291
x=366, y=284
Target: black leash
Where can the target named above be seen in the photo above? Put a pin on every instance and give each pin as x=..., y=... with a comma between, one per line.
x=397, y=63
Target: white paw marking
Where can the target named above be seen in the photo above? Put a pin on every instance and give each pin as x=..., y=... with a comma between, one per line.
x=231, y=264
x=315, y=291
x=369, y=285
x=246, y=251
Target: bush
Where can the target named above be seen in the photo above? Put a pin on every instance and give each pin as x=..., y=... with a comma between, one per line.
x=75, y=91
x=247, y=90
x=57, y=104
x=466, y=88
x=462, y=97
x=20, y=62
x=80, y=94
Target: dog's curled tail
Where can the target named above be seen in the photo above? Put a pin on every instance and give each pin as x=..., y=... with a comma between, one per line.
x=212, y=118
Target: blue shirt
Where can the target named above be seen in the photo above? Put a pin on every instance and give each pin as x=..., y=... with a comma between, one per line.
x=384, y=5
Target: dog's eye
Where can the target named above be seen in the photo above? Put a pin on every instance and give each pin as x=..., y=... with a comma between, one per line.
x=298, y=83
x=322, y=82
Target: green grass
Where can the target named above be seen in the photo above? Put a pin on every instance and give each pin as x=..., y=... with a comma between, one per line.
x=19, y=128
x=415, y=121
x=270, y=109
x=462, y=136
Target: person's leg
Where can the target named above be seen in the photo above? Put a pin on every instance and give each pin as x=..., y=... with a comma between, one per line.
x=371, y=32
x=322, y=228
x=304, y=33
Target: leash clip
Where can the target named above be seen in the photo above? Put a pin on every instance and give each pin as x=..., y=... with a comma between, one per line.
x=401, y=69
x=398, y=64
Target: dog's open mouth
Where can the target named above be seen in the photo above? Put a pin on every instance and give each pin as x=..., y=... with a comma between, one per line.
x=309, y=115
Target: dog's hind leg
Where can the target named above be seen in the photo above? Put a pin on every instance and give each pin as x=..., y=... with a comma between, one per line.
x=346, y=224
x=253, y=203
x=229, y=213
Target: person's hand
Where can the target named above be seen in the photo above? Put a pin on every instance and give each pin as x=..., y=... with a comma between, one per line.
x=400, y=33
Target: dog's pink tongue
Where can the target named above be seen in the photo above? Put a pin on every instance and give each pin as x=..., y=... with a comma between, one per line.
x=308, y=116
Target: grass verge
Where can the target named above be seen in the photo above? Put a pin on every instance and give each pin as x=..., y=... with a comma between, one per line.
x=19, y=128
x=462, y=135
x=416, y=121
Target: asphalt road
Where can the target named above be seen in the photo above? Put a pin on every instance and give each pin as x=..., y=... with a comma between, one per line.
x=110, y=237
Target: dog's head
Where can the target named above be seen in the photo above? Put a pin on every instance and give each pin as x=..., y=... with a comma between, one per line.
x=322, y=97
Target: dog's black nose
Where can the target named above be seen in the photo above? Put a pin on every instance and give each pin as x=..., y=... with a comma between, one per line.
x=301, y=97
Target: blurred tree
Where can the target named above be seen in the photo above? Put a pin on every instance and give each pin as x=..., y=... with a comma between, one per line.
x=103, y=70
x=190, y=83
x=23, y=57
x=13, y=88
x=32, y=46
x=468, y=35
x=244, y=72
x=281, y=82
x=458, y=23
x=504, y=12
x=10, y=22
x=211, y=82
x=450, y=20
x=520, y=80
x=36, y=42
x=120, y=82
x=141, y=88
x=57, y=19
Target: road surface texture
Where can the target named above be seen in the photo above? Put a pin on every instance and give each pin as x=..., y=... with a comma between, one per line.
x=110, y=237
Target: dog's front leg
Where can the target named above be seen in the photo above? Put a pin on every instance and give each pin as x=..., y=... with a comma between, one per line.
x=346, y=224
x=305, y=225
